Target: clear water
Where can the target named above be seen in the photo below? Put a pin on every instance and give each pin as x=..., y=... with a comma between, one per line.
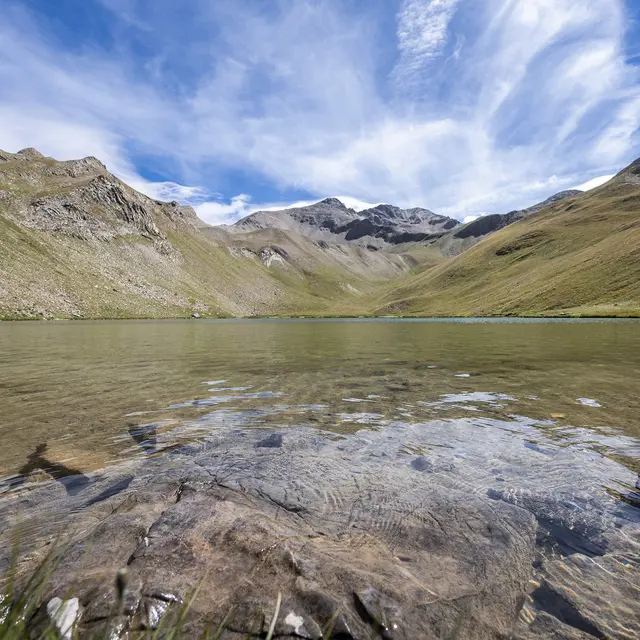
x=77, y=396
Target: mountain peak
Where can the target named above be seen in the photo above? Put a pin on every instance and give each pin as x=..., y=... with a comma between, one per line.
x=632, y=170
x=334, y=202
x=29, y=153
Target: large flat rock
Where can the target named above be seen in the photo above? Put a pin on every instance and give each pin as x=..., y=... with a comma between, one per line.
x=353, y=536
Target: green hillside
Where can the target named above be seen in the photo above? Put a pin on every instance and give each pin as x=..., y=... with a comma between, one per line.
x=76, y=242
x=579, y=256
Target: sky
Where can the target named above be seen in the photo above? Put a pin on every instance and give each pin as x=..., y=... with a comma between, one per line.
x=465, y=107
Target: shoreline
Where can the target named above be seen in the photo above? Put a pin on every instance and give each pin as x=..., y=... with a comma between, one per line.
x=634, y=315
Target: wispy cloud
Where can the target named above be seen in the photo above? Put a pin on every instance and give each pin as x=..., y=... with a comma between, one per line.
x=422, y=33
x=460, y=107
x=169, y=190
x=225, y=212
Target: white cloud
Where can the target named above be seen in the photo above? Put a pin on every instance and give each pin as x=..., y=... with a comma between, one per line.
x=594, y=182
x=224, y=213
x=168, y=190
x=467, y=219
x=621, y=136
x=356, y=204
x=308, y=97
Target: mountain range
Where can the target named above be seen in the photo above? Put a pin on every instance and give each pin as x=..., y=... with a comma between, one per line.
x=329, y=219
x=75, y=241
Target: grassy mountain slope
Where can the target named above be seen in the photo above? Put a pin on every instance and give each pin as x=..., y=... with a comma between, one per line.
x=579, y=256
x=77, y=242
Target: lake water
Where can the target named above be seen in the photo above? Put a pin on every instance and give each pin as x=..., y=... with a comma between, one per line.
x=76, y=396
x=492, y=463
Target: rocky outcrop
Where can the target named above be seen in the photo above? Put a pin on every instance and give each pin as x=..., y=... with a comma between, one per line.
x=81, y=199
x=357, y=548
x=630, y=175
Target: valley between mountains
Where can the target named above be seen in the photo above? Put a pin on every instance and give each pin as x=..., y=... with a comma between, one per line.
x=76, y=242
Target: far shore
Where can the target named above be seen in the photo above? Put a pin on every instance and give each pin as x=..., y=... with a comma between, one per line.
x=550, y=315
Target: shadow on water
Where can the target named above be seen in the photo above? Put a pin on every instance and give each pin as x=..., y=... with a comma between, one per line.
x=73, y=480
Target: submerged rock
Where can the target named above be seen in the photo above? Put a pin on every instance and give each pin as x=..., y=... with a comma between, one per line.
x=351, y=535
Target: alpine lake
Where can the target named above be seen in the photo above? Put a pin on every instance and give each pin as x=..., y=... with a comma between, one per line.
x=388, y=478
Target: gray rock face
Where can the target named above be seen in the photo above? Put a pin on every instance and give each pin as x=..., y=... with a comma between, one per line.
x=330, y=219
x=630, y=175
x=351, y=535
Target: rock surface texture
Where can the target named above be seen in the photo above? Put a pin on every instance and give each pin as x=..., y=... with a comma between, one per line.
x=358, y=541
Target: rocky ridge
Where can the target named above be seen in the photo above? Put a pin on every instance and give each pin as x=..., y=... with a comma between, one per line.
x=465, y=236
x=78, y=242
x=82, y=199
x=331, y=219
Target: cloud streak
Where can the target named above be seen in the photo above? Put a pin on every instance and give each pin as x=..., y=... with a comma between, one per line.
x=422, y=32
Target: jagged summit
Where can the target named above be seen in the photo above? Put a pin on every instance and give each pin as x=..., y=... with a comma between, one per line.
x=332, y=202
x=330, y=219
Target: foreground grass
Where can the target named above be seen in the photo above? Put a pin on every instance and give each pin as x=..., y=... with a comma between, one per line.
x=26, y=613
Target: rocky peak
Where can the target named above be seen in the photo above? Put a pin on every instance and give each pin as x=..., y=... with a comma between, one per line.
x=385, y=210
x=330, y=219
x=631, y=174
x=92, y=161
x=29, y=153
x=331, y=202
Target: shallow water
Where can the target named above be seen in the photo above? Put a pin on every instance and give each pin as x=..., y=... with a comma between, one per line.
x=76, y=396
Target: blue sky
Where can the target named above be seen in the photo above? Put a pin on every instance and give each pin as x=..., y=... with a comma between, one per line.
x=461, y=106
